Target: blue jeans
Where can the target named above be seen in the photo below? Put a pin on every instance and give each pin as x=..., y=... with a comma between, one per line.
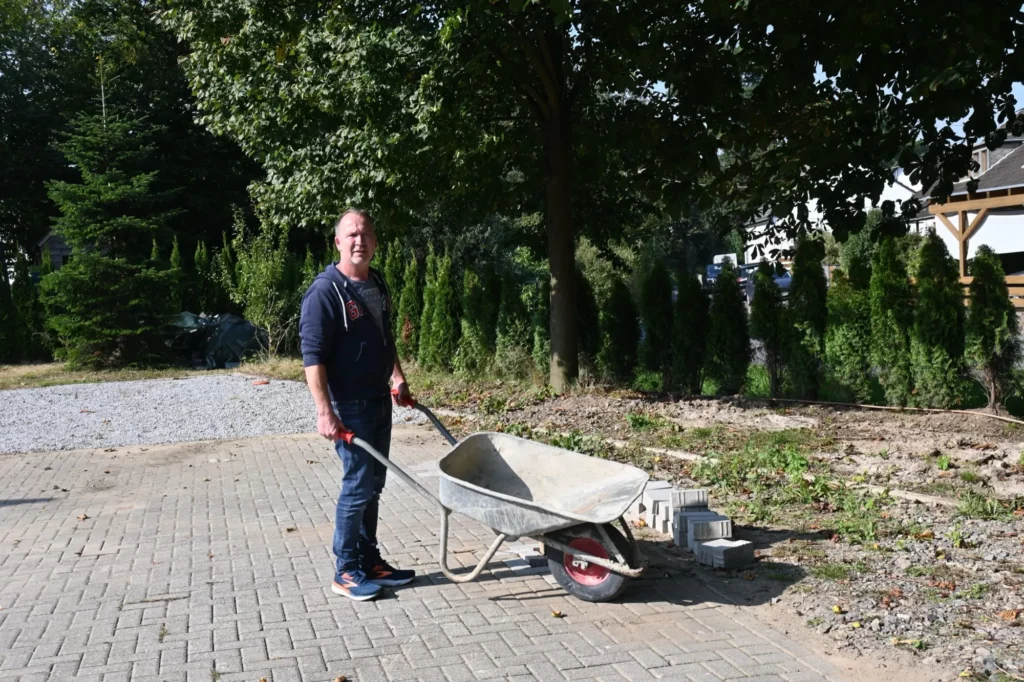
x=355, y=520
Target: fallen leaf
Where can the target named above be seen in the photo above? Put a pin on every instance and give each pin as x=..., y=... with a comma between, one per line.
x=290, y=529
x=896, y=593
x=813, y=526
x=1010, y=614
x=875, y=546
x=261, y=382
x=748, y=575
x=310, y=461
x=83, y=517
x=837, y=609
x=947, y=585
x=925, y=535
x=641, y=523
x=966, y=673
x=855, y=625
x=557, y=614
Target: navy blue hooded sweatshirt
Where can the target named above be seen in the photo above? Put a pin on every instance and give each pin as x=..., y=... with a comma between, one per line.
x=336, y=330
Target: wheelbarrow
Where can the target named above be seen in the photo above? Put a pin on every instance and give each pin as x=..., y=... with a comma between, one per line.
x=565, y=501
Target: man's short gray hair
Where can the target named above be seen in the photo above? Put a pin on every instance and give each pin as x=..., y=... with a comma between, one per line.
x=354, y=210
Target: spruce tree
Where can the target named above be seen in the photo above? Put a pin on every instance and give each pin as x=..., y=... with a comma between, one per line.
x=848, y=336
x=770, y=324
x=109, y=218
x=393, y=266
x=891, y=317
x=689, y=335
x=993, y=335
x=656, y=317
x=728, y=338
x=473, y=356
x=444, y=331
x=423, y=354
x=808, y=315
x=513, y=342
x=937, y=336
x=620, y=330
x=407, y=329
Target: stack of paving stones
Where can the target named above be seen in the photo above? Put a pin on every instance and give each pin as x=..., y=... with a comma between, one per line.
x=686, y=516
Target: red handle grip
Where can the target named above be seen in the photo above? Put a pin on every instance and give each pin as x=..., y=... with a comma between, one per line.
x=345, y=435
x=404, y=402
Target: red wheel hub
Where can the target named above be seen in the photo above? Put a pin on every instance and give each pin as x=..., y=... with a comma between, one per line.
x=585, y=572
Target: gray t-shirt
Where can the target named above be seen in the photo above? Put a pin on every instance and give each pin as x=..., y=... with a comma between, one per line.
x=374, y=299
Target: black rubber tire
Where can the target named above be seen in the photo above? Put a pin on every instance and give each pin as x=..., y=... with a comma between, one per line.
x=609, y=588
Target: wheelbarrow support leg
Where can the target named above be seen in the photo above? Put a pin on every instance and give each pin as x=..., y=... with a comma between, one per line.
x=442, y=557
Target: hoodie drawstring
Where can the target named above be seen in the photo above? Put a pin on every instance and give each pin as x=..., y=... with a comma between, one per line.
x=344, y=315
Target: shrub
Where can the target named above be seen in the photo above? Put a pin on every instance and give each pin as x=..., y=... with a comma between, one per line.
x=891, y=317
x=588, y=330
x=123, y=322
x=407, y=334
x=619, y=331
x=689, y=335
x=30, y=336
x=769, y=323
x=728, y=339
x=848, y=336
x=393, y=271
x=473, y=354
x=992, y=329
x=539, y=321
x=808, y=315
x=937, y=336
x=443, y=334
x=427, y=313
x=656, y=317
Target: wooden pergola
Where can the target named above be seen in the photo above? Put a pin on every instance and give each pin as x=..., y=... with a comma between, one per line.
x=982, y=202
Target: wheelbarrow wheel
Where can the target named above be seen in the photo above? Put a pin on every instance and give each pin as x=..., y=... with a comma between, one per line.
x=583, y=580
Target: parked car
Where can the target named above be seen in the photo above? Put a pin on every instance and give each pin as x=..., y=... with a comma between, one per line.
x=783, y=279
x=711, y=273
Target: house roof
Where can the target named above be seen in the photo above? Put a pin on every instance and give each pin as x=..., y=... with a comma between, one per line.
x=1007, y=172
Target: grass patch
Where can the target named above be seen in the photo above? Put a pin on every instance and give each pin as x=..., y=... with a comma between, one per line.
x=920, y=571
x=975, y=591
x=638, y=421
x=975, y=506
x=57, y=374
x=970, y=477
x=836, y=571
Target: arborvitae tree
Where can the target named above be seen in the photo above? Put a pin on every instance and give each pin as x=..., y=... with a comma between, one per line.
x=728, y=339
x=588, y=332
x=393, y=265
x=204, y=293
x=29, y=313
x=427, y=314
x=808, y=315
x=309, y=269
x=656, y=317
x=848, y=336
x=769, y=322
x=9, y=350
x=473, y=356
x=444, y=330
x=225, y=257
x=109, y=218
x=513, y=342
x=891, y=317
x=620, y=329
x=176, y=261
x=154, y=254
x=937, y=337
x=539, y=320
x=178, y=272
x=408, y=326
x=45, y=263
x=993, y=336
x=689, y=335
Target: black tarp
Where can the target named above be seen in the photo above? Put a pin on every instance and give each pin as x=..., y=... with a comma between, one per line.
x=216, y=341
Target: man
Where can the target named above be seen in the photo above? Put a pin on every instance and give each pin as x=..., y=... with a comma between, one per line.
x=348, y=351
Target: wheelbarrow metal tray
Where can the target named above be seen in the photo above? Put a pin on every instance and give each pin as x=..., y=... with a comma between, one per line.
x=523, y=488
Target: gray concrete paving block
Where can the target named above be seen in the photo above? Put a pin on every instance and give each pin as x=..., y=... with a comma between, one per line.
x=725, y=553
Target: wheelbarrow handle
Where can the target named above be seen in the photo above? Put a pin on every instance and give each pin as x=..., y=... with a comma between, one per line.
x=410, y=402
x=351, y=438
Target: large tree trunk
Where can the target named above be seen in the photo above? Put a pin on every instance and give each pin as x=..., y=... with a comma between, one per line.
x=561, y=255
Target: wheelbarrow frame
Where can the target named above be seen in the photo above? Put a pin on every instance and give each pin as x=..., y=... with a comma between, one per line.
x=630, y=567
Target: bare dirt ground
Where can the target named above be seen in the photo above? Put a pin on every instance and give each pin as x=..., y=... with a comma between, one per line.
x=857, y=566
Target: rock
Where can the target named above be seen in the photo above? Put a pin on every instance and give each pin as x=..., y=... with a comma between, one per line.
x=824, y=628
x=903, y=563
x=875, y=625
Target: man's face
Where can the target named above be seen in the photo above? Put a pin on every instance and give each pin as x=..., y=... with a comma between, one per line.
x=356, y=240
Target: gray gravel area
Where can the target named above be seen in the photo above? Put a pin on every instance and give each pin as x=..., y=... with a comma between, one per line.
x=156, y=411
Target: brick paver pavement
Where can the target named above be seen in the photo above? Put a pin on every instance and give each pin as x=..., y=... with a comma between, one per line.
x=210, y=561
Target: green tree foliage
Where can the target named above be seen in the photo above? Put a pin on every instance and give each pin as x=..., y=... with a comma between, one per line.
x=620, y=329
x=310, y=270
x=891, y=318
x=993, y=335
x=28, y=312
x=393, y=270
x=206, y=282
x=808, y=315
x=728, y=338
x=513, y=343
x=427, y=314
x=443, y=333
x=9, y=350
x=154, y=254
x=656, y=318
x=225, y=256
x=407, y=329
x=587, y=328
x=689, y=335
x=123, y=322
x=265, y=284
x=179, y=275
x=473, y=355
x=770, y=323
x=848, y=336
x=539, y=319
x=937, y=335
x=46, y=262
